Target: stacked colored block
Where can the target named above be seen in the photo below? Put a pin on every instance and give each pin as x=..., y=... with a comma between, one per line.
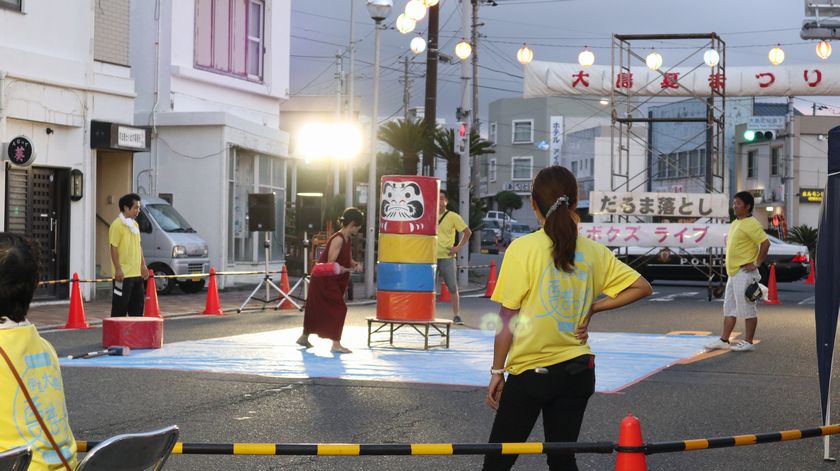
x=407, y=248
x=132, y=332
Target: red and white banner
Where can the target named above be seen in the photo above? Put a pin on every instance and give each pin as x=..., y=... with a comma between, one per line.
x=686, y=236
x=562, y=79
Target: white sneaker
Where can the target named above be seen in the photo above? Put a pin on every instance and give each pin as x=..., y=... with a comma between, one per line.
x=742, y=346
x=717, y=344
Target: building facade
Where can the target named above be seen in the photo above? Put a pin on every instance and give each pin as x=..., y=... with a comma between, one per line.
x=66, y=103
x=211, y=75
x=761, y=169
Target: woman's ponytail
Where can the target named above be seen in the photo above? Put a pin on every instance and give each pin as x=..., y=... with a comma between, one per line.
x=555, y=194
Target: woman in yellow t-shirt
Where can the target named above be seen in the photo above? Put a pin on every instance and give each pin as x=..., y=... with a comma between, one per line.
x=547, y=288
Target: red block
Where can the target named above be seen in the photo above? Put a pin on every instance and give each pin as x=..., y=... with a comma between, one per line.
x=132, y=332
x=405, y=305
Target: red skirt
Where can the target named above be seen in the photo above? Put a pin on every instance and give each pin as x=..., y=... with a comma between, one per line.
x=325, y=308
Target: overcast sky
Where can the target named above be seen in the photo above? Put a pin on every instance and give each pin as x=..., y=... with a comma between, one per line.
x=556, y=29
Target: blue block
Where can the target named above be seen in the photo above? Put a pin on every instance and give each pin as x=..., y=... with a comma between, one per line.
x=406, y=277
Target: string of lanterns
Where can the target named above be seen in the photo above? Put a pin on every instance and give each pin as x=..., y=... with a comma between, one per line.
x=415, y=10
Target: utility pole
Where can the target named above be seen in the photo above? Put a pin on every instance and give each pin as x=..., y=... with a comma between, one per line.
x=348, y=194
x=430, y=110
x=791, y=141
x=339, y=79
x=476, y=121
x=406, y=88
x=464, y=177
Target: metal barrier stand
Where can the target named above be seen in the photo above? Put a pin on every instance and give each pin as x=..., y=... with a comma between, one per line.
x=439, y=328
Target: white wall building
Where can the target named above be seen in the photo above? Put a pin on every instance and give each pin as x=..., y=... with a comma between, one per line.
x=65, y=80
x=211, y=75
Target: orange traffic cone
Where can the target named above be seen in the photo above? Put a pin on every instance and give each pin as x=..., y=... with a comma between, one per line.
x=284, y=287
x=773, y=294
x=151, y=309
x=445, y=295
x=491, y=280
x=76, y=316
x=212, y=306
x=811, y=280
x=630, y=456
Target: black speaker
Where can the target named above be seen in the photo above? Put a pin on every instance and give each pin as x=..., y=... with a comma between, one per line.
x=261, y=212
x=309, y=214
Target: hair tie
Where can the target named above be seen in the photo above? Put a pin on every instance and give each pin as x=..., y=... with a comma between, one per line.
x=560, y=200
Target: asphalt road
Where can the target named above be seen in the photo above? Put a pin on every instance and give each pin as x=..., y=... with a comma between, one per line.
x=774, y=388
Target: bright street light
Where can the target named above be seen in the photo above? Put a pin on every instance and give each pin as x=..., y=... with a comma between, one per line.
x=711, y=57
x=415, y=10
x=654, y=60
x=418, y=45
x=776, y=56
x=405, y=24
x=823, y=49
x=463, y=50
x=338, y=141
x=525, y=54
x=586, y=58
x=379, y=9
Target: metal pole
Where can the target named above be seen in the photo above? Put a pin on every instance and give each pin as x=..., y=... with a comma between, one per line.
x=791, y=130
x=406, y=89
x=464, y=177
x=339, y=72
x=430, y=110
x=348, y=194
x=373, y=188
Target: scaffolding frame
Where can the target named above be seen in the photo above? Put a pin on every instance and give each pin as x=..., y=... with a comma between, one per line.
x=625, y=112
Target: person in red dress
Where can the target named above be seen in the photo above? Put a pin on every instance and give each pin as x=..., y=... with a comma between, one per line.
x=325, y=307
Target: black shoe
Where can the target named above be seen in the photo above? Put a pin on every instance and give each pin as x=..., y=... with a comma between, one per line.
x=457, y=320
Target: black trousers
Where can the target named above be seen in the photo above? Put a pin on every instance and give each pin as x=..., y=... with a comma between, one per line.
x=128, y=299
x=560, y=394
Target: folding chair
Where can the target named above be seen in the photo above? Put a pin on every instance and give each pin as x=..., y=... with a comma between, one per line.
x=132, y=451
x=16, y=459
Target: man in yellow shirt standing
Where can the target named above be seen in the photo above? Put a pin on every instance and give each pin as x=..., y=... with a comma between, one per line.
x=127, y=262
x=449, y=224
x=746, y=249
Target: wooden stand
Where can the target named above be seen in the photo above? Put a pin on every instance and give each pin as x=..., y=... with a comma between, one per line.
x=435, y=328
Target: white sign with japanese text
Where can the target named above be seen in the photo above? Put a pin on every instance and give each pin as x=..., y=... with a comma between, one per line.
x=676, y=205
x=555, y=144
x=656, y=235
x=567, y=79
x=766, y=123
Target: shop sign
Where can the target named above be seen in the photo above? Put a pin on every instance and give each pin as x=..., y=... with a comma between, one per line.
x=20, y=151
x=811, y=195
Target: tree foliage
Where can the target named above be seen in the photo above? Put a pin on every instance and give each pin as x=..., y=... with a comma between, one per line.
x=804, y=235
x=408, y=138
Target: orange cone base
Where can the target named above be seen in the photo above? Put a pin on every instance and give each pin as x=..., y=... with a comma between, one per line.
x=630, y=435
x=773, y=293
x=76, y=317
x=491, y=280
x=284, y=286
x=445, y=295
x=405, y=305
x=151, y=308
x=213, y=306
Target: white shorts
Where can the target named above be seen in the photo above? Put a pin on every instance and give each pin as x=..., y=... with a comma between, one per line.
x=735, y=302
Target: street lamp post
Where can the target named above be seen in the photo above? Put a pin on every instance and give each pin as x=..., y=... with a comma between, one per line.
x=379, y=10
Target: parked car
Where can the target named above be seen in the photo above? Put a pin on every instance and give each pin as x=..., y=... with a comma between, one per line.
x=502, y=236
x=171, y=246
x=501, y=217
x=664, y=263
x=519, y=230
x=489, y=241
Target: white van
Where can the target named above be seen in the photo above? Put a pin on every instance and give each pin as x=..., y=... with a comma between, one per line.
x=171, y=246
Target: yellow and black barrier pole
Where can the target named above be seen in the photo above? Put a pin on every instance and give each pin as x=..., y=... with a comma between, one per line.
x=740, y=440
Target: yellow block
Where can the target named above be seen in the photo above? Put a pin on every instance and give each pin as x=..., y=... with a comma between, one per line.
x=338, y=449
x=431, y=448
x=254, y=449
x=522, y=448
x=395, y=248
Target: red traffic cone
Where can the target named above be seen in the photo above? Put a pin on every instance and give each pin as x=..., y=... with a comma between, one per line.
x=631, y=455
x=284, y=287
x=445, y=295
x=773, y=294
x=213, y=306
x=76, y=316
x=491, y=280
x=811, y=280
x=151, y=309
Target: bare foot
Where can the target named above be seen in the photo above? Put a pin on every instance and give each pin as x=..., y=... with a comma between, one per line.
x=304, y=342
x=341, y=349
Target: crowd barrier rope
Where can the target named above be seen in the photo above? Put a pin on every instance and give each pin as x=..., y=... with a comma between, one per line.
x=156, y=276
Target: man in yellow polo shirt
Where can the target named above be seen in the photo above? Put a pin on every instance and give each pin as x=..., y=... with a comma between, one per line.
x=127, y=262
x=449, y=224
x=746, y=249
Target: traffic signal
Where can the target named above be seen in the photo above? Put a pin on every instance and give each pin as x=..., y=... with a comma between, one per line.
x=759, y=136
x=460, y=138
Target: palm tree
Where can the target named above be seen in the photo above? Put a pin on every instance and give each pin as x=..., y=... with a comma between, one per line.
x=407, y=137
x=445, y=148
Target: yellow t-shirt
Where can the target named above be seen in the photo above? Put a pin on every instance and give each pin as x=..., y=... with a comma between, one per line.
x=745, y=235
x=447, y=228
x=37, y=364
x=551, y=302
x=128, y=247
